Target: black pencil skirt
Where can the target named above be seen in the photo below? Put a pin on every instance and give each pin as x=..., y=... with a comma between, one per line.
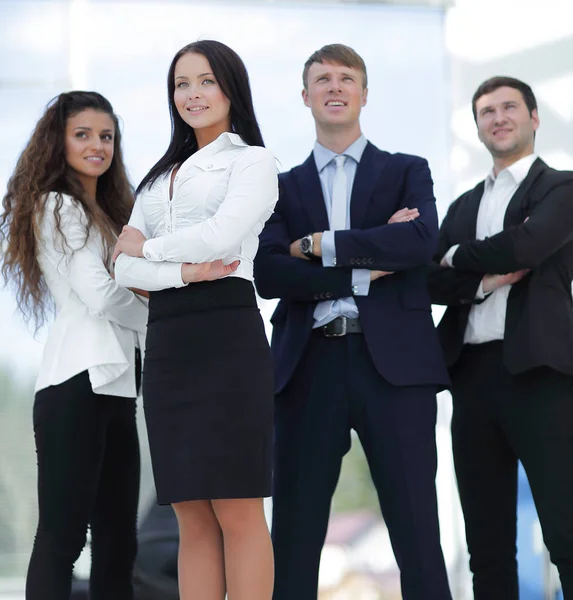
x=208, y=393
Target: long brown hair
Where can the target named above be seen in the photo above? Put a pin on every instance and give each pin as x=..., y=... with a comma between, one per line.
x=41, y=169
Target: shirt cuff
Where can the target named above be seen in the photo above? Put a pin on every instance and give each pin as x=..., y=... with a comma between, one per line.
x=480, y=294
x=152, y=250
x=360, y=282
x=449, y=256
x=169, y=275
x=328, y=249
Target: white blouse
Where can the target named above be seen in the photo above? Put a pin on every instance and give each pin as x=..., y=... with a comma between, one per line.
x=223, y=194
x=98, y=322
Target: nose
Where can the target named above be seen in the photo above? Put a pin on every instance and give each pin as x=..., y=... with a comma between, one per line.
x=193, y=92
x=97, y=144
x=500, y=116
x=334, y=86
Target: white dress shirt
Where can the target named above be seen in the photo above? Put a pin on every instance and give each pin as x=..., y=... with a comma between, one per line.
x=486, y=321
x=223, y=194
x=98, y=322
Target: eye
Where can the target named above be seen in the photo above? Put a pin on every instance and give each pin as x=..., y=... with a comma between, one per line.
x=348, y=79
x=81, y=134
x=207, y=81
x=322, y=79
x=182, y=84
x=107, y=137
x=486, y=111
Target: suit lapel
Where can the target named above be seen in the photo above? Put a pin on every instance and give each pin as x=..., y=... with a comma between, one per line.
x=310, y=191
x=368, y=173
x=471, y=213
x=514, y=214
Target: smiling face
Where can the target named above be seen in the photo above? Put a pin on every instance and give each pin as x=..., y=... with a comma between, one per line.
x=505, y=125
x=199, y=99
x=89, y=144
x=335, y=94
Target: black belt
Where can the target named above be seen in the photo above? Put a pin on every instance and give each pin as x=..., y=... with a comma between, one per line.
x=341, y=326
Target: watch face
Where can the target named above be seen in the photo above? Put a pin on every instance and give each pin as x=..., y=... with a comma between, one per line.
x=304, y=245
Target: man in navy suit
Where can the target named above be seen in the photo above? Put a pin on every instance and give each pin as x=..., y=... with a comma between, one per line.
x=354, y=343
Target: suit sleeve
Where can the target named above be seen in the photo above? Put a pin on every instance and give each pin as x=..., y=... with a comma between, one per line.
x=447, y=286
x=396, y=246
x=527, y=245
x=280, y=275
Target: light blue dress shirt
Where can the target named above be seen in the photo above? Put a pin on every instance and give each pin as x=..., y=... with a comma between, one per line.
x=329, y=310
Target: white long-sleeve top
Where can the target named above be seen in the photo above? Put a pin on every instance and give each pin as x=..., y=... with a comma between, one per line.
x=222, y=196
x=98, y=322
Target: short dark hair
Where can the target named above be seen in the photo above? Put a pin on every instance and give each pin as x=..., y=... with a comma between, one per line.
x=493, y=83
x=232, y=76
x=338, y=54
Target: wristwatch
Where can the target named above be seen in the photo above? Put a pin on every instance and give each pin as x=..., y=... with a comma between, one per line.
x=307, y=246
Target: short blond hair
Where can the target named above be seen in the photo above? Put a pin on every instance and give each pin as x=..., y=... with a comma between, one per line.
x=338, y=54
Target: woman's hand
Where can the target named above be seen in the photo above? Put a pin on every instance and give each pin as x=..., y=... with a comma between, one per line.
x=130, y=242
x=209, y=271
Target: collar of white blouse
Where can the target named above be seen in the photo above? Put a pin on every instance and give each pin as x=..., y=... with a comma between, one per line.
x=203, y=158
x=211, y=157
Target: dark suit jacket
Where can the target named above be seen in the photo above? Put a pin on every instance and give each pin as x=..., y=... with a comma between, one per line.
x=539, y=319
x=396, y=314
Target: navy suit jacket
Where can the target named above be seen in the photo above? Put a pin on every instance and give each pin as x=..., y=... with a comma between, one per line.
x=396, y=314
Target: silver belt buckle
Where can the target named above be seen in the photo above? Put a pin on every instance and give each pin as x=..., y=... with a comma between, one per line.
x=342, y=333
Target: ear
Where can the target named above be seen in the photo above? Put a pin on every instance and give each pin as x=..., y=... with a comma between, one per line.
x=535, y=119
x=364, y=97
x=305, y=97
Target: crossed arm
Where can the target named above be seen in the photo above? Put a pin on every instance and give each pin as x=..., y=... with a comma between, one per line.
x=504, y=258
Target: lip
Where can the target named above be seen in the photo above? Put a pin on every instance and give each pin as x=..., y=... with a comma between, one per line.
x=95, y=159
x=196, y=110
x=502, y=130
x=343, y=104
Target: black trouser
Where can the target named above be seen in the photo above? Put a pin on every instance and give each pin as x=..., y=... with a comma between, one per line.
x=88, y=474
x=499, y=419
x=336, y=388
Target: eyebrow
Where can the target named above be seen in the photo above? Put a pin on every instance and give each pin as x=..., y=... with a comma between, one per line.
x=198, y=76
x=504, y=103
x=90, y=129
x=344, y=74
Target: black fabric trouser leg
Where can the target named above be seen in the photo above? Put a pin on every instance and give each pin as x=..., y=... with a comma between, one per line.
x=499, y=419
x=336, y=388
x=88, y=474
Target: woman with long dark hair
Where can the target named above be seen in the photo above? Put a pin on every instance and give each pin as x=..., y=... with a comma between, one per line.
x=207, y=384
x=62, y=212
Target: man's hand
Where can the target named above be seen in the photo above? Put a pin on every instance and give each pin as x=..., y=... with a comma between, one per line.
x=295, y=250
x=492, y=282
x=130, y=242
x=209, y=271
x=374, y=275
x=404, y=215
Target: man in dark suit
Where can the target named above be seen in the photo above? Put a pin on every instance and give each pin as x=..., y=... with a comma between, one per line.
x=504, y=267
x=354, y=343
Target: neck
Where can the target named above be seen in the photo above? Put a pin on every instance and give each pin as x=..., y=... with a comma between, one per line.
x=503, y=162
x=207, y=135
x=90, y=187
x=337, y=139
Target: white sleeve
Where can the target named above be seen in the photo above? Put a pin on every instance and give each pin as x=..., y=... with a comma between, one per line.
x=251, y=197
x=132, y=272
x=81, y=264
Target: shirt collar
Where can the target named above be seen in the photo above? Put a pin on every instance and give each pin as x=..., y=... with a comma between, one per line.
x=322, y=155
x=225, y=140
x=518, y=170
